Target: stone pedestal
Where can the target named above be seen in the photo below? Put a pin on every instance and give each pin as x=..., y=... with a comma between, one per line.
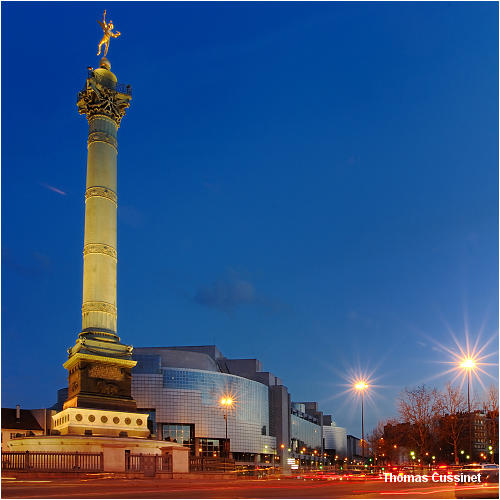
x=98, y=381
x=82, y=421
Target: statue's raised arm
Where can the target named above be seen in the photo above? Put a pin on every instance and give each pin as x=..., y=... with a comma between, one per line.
x=103, y=23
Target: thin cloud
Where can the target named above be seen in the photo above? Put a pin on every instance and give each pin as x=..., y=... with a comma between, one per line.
x=226, y=294
x=32, y=266
x=232, y=292
x=52, y=188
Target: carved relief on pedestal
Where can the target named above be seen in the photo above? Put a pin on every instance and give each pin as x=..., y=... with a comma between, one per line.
x=99, y=379
x=105, y=371
x=106, y=379
x=107, y=388
x=74, y=381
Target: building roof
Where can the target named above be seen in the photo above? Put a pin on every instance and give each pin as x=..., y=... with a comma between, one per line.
x=159, y=357
x=27, y=421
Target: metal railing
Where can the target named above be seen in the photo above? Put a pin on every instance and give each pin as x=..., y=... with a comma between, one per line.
x=122, y=88
x=143, y=462
x=210, y=464
x=52, y=461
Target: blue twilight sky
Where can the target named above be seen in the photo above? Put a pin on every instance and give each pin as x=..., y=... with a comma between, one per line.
x=311, y=184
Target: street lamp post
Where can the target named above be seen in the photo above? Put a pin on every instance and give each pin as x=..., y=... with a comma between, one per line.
x=362, y=428
x=226, y=403
x=468, y=364
x=361, y=387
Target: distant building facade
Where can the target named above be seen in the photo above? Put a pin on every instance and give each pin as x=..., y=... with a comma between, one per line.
x=305, y=431
x=475, y=432
x=353, y=448
x=18, y=422
x=181, y=388
x=335, y=441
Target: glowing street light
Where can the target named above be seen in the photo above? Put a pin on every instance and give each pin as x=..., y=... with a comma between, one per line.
x=468, y=363
x=361, y=386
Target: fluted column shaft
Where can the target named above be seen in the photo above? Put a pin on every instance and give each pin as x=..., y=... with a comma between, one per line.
x=100, y=256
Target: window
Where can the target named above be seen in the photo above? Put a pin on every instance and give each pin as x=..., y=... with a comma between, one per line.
x=210, y=447
x=178, y=433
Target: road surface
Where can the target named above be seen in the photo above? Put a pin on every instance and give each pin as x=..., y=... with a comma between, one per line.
x=109, y=487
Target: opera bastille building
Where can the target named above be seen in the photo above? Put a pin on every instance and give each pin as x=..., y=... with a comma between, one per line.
x=181, y=389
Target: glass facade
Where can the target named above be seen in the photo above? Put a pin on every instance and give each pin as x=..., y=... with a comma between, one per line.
x=185, y=398
x=178, y=433
x=335, y=438
x=304, y=434
x=210, y=447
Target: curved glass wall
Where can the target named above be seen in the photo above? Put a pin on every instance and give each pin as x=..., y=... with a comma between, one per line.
x=187, y=396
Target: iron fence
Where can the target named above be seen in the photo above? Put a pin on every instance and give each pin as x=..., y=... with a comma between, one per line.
x=52, y=461
x=122, y=88
x=143, y=462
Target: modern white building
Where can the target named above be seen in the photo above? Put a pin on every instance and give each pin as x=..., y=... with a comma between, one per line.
x=182, y=392
x=335, y=440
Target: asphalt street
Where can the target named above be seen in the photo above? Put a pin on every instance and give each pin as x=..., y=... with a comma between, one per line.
x=237, y=488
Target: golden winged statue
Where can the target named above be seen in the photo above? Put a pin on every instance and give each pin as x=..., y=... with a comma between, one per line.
x=108, y=33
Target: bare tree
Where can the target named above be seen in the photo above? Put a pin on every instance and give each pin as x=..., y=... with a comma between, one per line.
x=452, y=405
x=376, y=440
x=490, y=408
x=419, y=407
